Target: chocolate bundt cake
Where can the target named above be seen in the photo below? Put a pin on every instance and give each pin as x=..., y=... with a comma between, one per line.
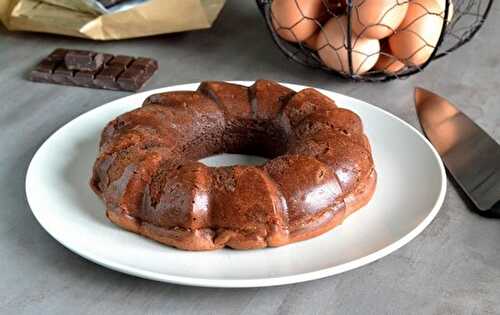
x=319, y=171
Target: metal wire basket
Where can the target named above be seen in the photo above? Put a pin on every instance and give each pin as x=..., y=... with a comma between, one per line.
x=459, y=21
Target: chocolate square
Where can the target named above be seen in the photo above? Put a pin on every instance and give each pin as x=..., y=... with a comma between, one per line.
x=147, y=64
x=120, y=61
x=107, y=58
x=43, y=71
x=106, y=79
x=85, y=78
x=63, y=75
x=132, y=79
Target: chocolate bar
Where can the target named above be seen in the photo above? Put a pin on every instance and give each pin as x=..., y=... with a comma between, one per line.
x=83, y=60
x=115, y=72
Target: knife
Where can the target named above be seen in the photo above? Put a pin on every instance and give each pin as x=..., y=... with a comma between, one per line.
x=471, y=156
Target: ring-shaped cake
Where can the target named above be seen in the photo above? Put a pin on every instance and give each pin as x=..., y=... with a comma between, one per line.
x=320, y=168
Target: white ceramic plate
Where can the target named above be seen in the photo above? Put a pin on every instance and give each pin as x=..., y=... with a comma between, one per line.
x=410, y=191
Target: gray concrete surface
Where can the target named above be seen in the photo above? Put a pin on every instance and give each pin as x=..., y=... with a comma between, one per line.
x=453, y=267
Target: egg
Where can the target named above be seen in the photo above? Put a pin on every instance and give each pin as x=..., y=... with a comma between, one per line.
x=387, y=62
x=332, y=43
x=377, y=18
x=330, y=8
x=312, y=41
x=295, y=20
x=418, y=34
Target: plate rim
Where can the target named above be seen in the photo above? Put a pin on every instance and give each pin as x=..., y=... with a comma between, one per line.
x=254, y=282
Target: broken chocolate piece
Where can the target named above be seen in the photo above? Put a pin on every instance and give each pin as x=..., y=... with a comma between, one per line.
x=83, y=60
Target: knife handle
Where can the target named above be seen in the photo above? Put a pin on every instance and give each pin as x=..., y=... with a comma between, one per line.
x=495, y=209
x=493, y=212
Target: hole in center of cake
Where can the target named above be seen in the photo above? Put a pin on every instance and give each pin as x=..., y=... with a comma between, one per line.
x=229, y=159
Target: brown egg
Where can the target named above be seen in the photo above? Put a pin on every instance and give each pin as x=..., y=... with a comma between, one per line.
x=330, y=9
x=312, y=41
x=387, y=62
x=419, y=32
x=332, y=43
x=295, y=20
x=377, y=18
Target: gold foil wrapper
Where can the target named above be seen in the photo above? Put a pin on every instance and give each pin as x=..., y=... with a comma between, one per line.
x=151, y=18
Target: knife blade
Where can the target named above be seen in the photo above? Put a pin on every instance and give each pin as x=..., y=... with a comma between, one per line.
x=471, y=156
